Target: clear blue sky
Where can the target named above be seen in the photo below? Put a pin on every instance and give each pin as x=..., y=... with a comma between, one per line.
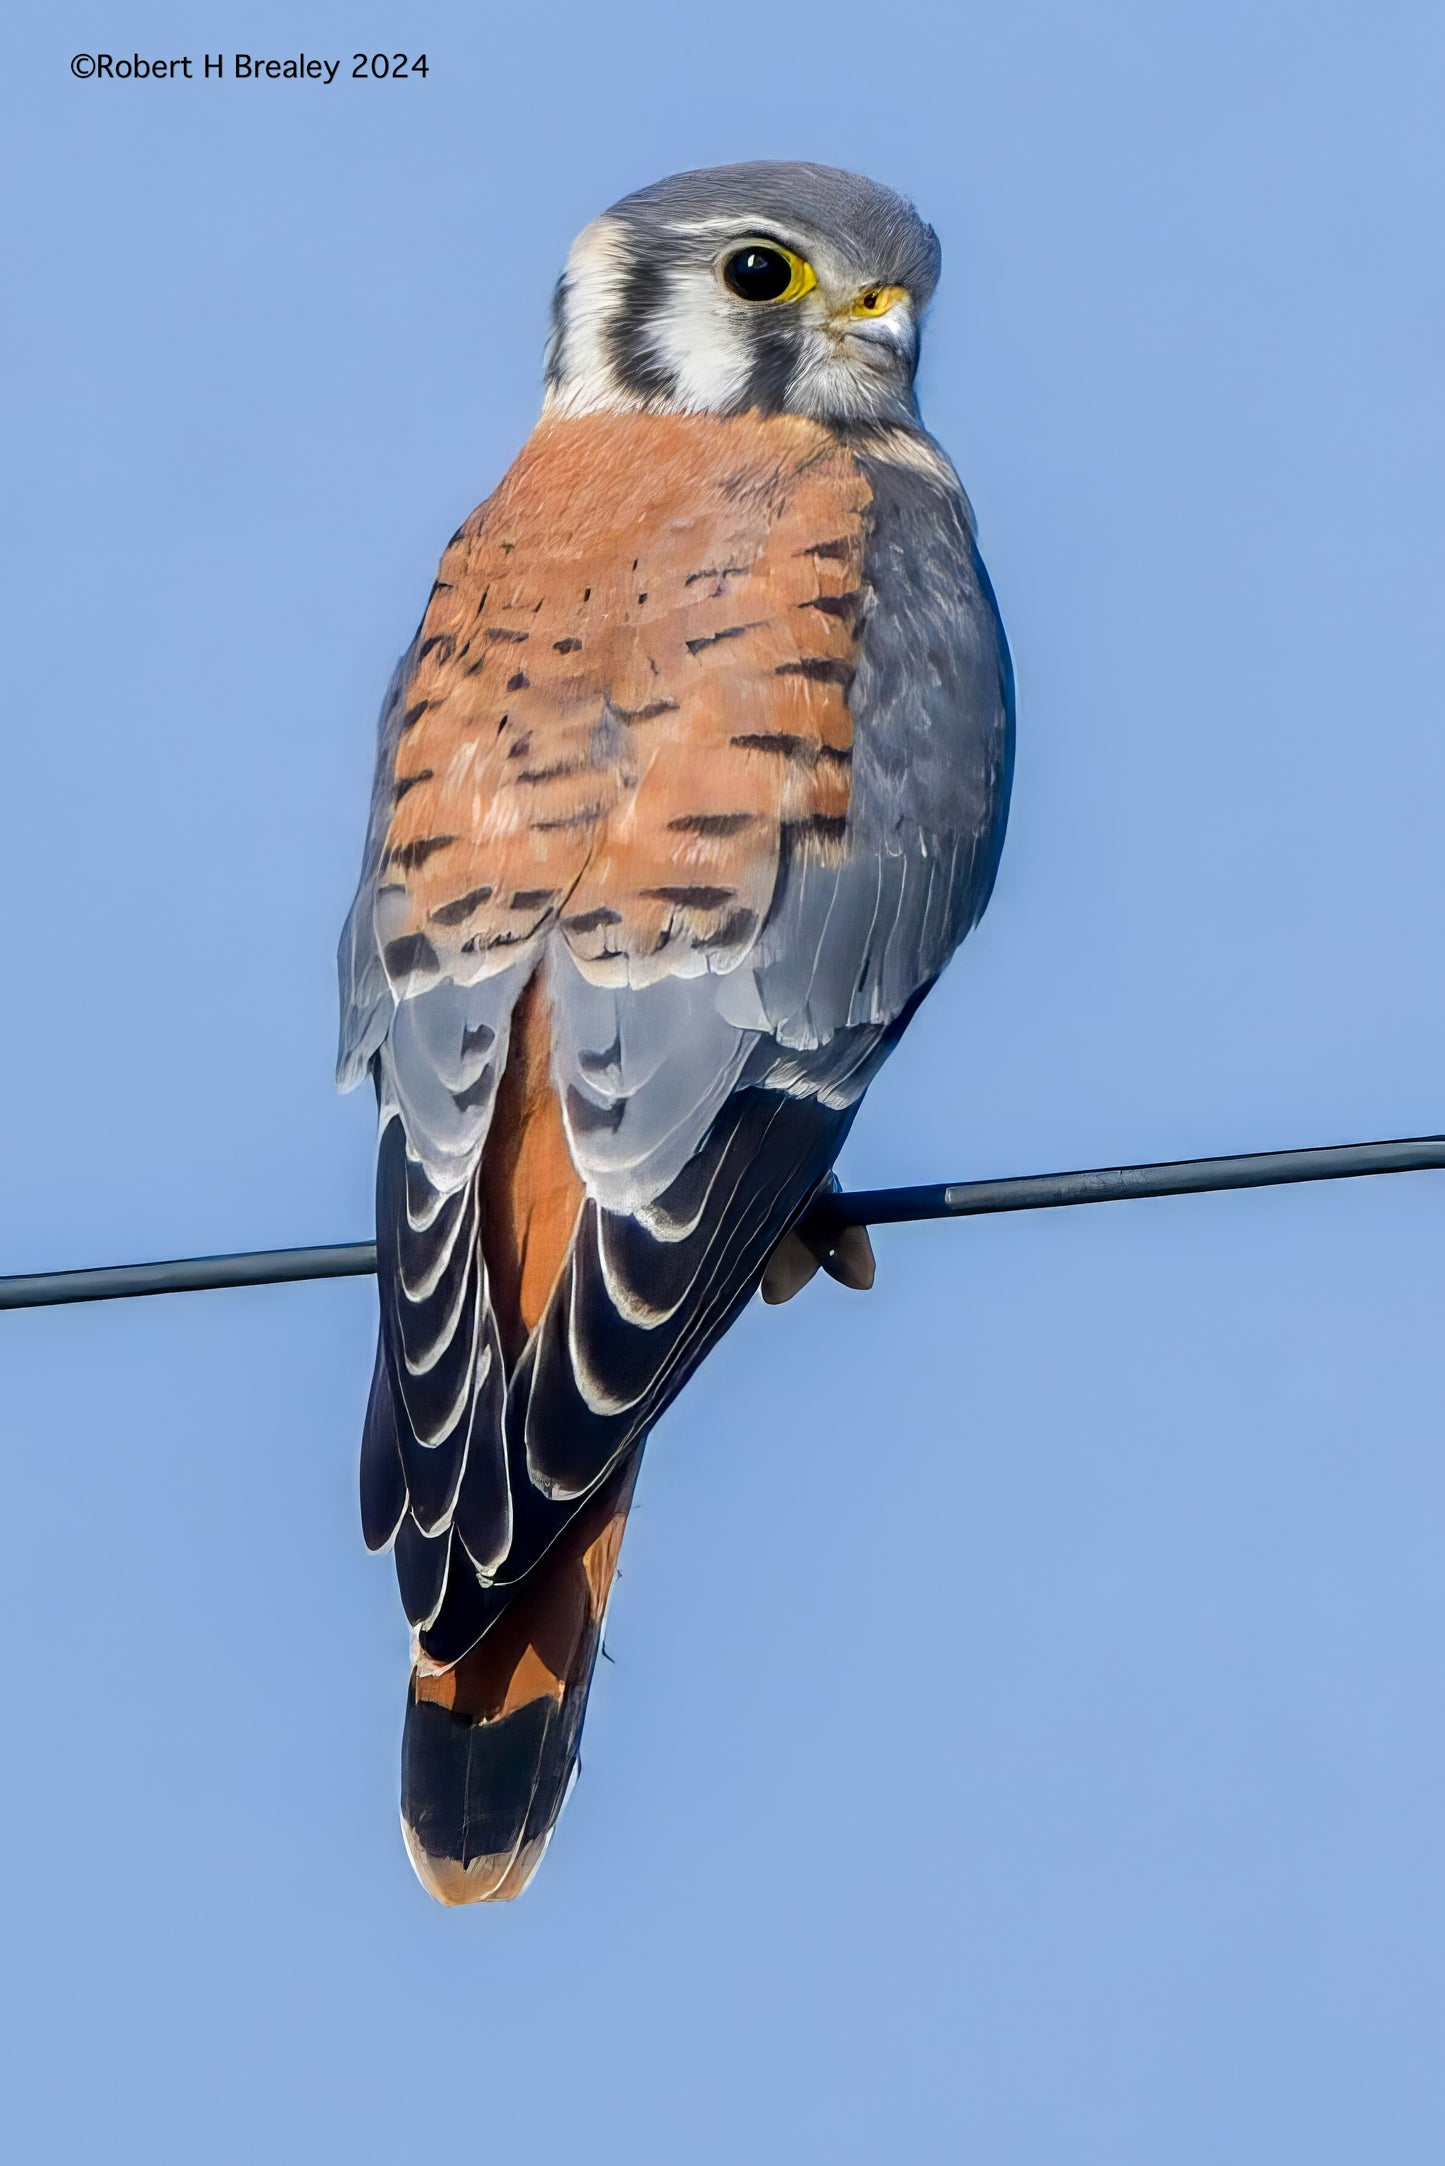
x=1026, y=1736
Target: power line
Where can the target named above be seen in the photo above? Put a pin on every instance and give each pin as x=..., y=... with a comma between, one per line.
x=1121, y=1184
x=861, y=1207
x=189, y=1275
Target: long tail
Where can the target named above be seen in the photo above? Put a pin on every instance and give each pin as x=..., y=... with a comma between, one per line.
x=489, y=1753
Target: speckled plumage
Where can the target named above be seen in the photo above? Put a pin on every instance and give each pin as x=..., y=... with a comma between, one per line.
x=691, y=781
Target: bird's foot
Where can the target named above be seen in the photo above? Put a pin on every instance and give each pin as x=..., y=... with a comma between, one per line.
x=811, y=1246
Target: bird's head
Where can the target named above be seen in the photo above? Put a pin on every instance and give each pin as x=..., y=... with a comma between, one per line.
x=775, y=288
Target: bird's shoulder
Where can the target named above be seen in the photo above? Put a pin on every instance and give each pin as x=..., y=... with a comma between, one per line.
x=630, y=680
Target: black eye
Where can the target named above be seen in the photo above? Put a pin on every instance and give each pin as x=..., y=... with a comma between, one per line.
x=758, y=274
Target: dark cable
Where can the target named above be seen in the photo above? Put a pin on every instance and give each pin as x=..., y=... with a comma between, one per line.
x=861, y=1207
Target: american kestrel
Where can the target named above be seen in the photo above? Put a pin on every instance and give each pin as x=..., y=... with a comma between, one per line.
x=691, y=781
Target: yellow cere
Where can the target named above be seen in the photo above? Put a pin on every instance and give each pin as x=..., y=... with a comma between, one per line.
x=877, y=300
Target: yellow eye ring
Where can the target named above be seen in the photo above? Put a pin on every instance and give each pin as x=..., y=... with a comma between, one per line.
x=766, y=271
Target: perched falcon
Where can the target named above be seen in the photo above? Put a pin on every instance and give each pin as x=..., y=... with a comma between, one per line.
x=691, y=781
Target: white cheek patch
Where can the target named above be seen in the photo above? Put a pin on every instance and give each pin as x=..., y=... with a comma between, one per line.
x=699, y=339
x=695, y=336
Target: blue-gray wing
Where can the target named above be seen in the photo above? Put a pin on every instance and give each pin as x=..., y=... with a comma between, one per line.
x=858, y=943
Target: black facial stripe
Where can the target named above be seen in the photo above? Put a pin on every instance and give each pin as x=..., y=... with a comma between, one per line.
x=559, y=333
x=635, y=361
x=770, y=371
